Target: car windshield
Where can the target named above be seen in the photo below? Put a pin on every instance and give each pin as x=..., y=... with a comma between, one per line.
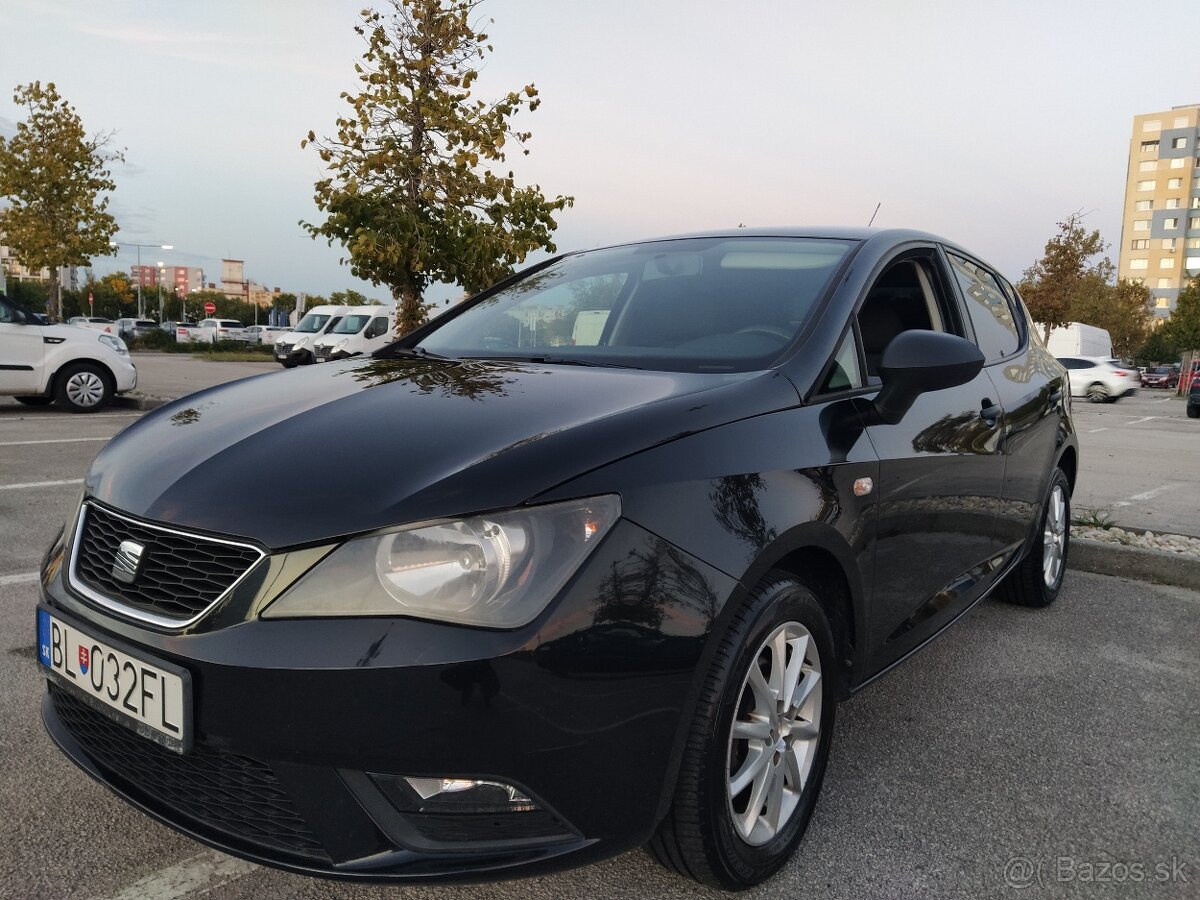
x=312, y=323
x=727, y=304
x=351, y=325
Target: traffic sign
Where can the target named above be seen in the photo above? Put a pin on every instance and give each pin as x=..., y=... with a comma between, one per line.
x=210, y=308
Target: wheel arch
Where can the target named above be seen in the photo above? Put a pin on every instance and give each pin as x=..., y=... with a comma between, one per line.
x=102, y=367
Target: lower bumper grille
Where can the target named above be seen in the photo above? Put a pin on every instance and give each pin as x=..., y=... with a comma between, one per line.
x=234, y=795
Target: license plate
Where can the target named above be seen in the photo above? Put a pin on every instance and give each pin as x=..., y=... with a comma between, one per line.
x=147, y=696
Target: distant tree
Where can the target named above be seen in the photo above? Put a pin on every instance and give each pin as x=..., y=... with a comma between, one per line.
x=350, y=297
x=1123, y=310
x=113, y=296
x=29, y=294
x=1055, y=284
x=52, y=175
x=413, y=192
x=1183, y=328
x=1158, y=348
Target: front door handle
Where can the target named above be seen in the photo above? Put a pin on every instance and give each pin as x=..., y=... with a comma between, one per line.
x=990, y=412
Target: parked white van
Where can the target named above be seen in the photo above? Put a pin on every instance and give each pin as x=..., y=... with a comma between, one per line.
x=362, y=330
x=294, y=348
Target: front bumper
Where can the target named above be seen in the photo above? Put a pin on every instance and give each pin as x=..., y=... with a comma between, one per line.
x=126, y=375
x=296, y=720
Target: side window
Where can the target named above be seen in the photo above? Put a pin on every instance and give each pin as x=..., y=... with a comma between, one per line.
x=5, y=315
x=378, y=326
x=845, y=374
x=903, y=298
x=991, y=312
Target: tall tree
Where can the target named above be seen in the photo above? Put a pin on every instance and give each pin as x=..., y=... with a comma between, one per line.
x=415, y=192
x=1053, y=285
x=1123, y=310
x=1183, y=328
x=53, y=175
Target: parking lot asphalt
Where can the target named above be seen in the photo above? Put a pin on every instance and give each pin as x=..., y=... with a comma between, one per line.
x=1139, y=462
x=1026, y=753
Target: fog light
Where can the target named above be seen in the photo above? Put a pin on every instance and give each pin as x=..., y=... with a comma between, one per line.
x=459, y=795
x=456, y=814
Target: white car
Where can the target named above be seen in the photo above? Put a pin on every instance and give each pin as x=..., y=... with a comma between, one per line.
x=78, y=368
x=96, y=323
x=264, y=334
x=1099, y=378
x=209, y=331
x=362, y=330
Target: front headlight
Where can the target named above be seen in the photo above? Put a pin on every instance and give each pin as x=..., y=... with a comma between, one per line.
x=302, y=342
x=341, y=345
x=115, y=342
x=496, y=570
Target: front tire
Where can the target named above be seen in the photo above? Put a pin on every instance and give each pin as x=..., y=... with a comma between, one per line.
x=1038, y=578
x=755, y=759
x=1193, y=412
x=1097, y=393
x=83, y=388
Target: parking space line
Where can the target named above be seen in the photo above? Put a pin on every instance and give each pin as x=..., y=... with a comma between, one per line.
x=53, y=441
x=196, y=875
x=22, y=578
x=1094, y=430
x=1148, y=495
x=40, y=484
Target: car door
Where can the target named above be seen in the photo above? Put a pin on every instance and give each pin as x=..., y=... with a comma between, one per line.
x=1030, y=385
x=941, y=470
x=21, y=351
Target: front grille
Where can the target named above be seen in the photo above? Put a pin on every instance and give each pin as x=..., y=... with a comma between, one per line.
x=283, y=349
x=234, y=795
x=179, y=577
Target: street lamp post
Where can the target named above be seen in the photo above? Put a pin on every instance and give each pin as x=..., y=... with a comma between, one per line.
x=141, y=309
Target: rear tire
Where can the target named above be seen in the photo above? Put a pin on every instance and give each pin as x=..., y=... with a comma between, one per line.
x=1097, y=393
x=1038, y=578
x=753, y=763
x=83, y=387
x=1193, y=412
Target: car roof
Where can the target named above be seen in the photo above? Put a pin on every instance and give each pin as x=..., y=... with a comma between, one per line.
x=881, y=235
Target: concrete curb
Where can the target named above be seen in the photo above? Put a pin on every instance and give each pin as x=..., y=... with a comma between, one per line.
x=1104, y=558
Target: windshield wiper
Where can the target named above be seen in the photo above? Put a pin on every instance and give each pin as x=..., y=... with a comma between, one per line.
x=559, y=361
x=414, y=352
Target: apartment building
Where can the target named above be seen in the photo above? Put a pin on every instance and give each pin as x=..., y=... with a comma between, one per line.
x=1160, y=230
x=180, y=279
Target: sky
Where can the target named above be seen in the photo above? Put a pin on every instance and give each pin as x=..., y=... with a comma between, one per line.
x=986, y=121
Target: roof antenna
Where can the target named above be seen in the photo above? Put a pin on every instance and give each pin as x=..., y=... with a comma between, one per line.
x=874, y=214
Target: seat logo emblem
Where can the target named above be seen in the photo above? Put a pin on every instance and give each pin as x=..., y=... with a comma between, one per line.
x=129, y=560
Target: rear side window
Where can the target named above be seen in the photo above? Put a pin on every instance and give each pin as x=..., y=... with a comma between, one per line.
x=996, y=330
x=378, y=327
x=1069, y=363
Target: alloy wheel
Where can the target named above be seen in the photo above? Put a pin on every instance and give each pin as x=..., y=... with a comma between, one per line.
x=1054, y=537
x=775, y=733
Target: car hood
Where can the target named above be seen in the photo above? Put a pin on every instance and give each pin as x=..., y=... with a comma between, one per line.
x=362, y=445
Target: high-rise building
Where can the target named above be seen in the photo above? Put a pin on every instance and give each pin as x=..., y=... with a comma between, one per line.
x=1160, y=230
x=181, y=279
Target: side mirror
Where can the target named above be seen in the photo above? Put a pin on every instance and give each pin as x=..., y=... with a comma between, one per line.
x=916, y=362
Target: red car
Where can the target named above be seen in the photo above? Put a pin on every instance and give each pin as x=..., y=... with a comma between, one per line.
x=1160, y=377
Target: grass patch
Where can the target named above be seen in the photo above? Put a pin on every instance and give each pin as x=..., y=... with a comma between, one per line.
x=1093, y=518
x=234, y=356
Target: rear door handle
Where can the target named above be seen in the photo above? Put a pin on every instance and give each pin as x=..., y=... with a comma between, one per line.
x=990, y=412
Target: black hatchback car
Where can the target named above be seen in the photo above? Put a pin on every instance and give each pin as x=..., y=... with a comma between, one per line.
x=584, y=564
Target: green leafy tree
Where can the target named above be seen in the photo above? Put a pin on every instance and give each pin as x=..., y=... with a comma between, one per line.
x=1183, y=328
x=1123, y=310
x=53, y=176
x=350, y=297
x=1157, y=349
x=415, y=192
x=1054, y=285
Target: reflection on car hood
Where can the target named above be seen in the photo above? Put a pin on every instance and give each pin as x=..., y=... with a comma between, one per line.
x=369, y=444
